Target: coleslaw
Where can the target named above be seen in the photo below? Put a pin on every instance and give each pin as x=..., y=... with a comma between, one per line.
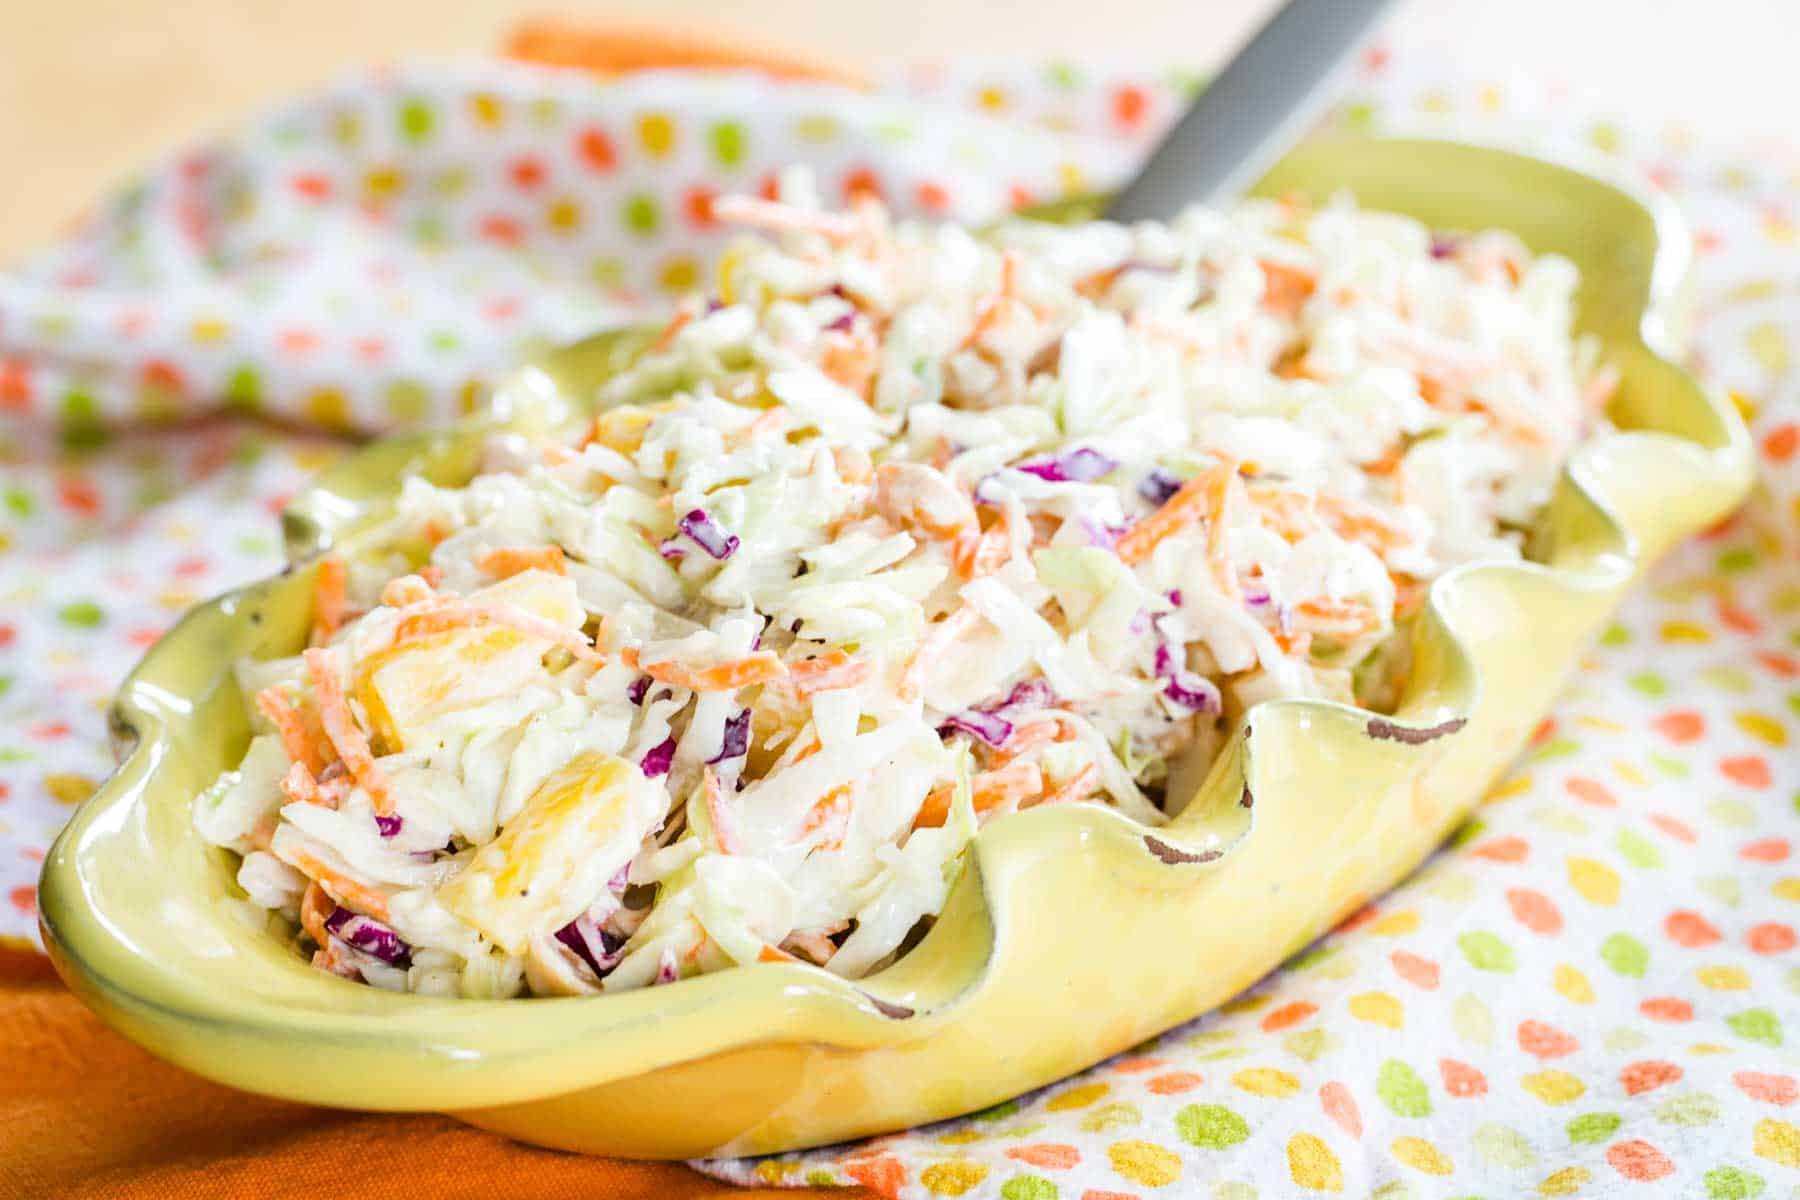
x=901, y=530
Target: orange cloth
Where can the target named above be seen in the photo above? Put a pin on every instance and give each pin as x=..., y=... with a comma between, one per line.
x=86, y=1115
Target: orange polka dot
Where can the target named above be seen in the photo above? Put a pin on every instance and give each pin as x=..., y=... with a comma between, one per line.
x=1546, y=1041
x=1097, y=1194
x=1652, y=1073
x=1784, y=665
x=933, y=197
x=1737, y=618
x=1503, y=849
x=1679, y=830
x=697, y=206
x=1535, y=911
x=861, y=183
x=1461, y=1080
x=1052, y=1156
x=882, y=1175
x=1173, y=1084
x=596, y=149
x=312, y=185
x=1690, y=929
x=1780, y=442
x=1771, y=937
x=1747, y=770
x=1590, y=791
x=1420, y=972
x=1770, y=1089
x=1768, y=850
x=24, y=898
x=1667, y=1008
x=1356, y=920
x=1131, y=1066
x=498, y=227
x=527, y=171
x=1130, y=105
x=1639, y=1161
x=1340, y=1106
x=1681, y=725
x=1288, y=1014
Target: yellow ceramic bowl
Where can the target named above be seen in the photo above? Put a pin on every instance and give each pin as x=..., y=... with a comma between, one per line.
x=1072, y=934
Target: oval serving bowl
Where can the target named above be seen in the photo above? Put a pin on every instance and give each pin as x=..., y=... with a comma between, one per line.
x=1071, y=934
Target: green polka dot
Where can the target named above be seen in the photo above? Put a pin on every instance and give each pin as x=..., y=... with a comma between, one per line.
x=1401, y=1089
x=82, y=614
x=1310, y=1045
x=18, y=502
x=1111, y=1116
x=1396, y=1189
x=546, y=112
x=1467, y=832
x=1648, y=683
x=1590, y=1129
x=1756, y=1025
x=80, y=407
x=1733, y=1183
x=243, y=388
x=1688, y=1109
x=894, y=133
x=443, y=339
x=818, y=1178
x=1638, y=850
x=1028, y=1187
x=1555, y=748
x=255, y=544
x=997, y=1113
x=1669, y=765
x=1605, y=136
x=1211, y=1126
x=1503, y=1146
x=817, y=127
x=1738, y=558
x=406, y=400
x=1486, y=952
x=1359, y=117
x=641, y=215
x=417, y=121
x=1064, y=75
x=14, y=754
x=1625, y=955
x=1616, y=635
x=728, y=142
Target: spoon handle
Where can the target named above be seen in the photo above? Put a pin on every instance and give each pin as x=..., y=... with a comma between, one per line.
x=1252, y=110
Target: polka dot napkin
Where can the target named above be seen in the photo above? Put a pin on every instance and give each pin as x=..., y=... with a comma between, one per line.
x=1595, y=990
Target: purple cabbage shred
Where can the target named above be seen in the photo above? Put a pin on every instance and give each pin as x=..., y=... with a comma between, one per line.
x=992, y=729
x=639, y=687
x=736, y=740
x=657, y=759
x=591, y=944
x=388, y=826
x=1158, y=486
x=369, y=936
x=708, y=534
x=1077, y=466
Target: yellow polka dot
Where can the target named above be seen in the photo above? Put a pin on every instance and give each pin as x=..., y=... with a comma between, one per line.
x=1565, y=1182
x=1378, y=1008
x=1078, y=1097
x=1145, y=1163
x=1245, y=1004
x=680, y=274
x=382, y=182
x=487, y=109
x=773, y=1170
x=66, y=787
x=1396, y=924
x=1512, y=787
x=207, y=330
x=563, y=215
x=1596, y=882
x=1723, y=978
x=1554, y=1087
x=470, y=396
x=1312, y=1164
x=953, y=1178
x=1603, y=724
x=1629, y=773
x=656, y=134
x=1070, y=177
x=1787, y=889
x=962, y=1137
x=328, y=407
x=1421, y=1155
x=992, y=98
x=1708, y=1049
x=1778, y=1142
x=1745, y=405
x=1572, y=985
x=1266, y=1081
x=1762, y=727
x=1684, y=631
x=176, y=599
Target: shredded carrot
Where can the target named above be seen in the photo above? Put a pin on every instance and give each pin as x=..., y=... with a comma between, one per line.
x=556, y=455
x=975, y=554
x=849, y=359
x=1359, y=522
x=723, y=834
x=1286, y=289
x=408, y=590
x=937, y=639
x=299, y=786
x=1202, y=496
x=315, y=906
x=755, y=213
x=1598, y=392
x=1027, y=738
x=299, y=738
x=507, y=561
x=760, y=666
x=989, y=311
x=990, y=790
x=460, y=615
x=328, y=598
x=774, y=954
x=853, y=465
x=676, y=324
x=340, y=887
x=831, y=808
x=1339, y=617
x=1078, y=786
x=829, y=672
x=341, y=729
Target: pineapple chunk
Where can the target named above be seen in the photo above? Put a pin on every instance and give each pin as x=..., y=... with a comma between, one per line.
x=406, y=687
x=550, y=862
x=623, y=428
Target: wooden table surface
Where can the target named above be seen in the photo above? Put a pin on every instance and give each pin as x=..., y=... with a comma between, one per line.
x=92, y=89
